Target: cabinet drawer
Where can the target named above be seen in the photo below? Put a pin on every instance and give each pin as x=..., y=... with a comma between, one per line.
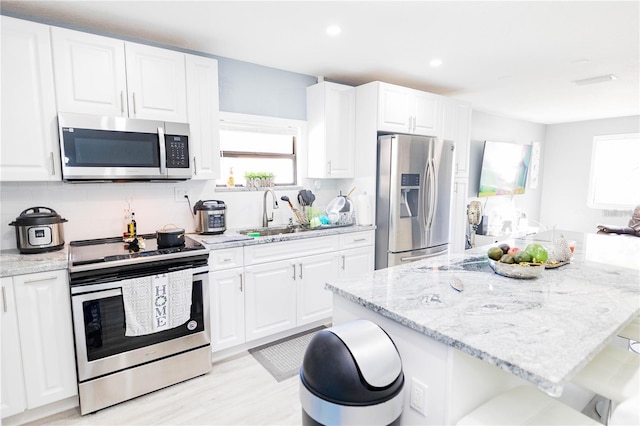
x=356, y=239
x=225, y=258
x=289, y=249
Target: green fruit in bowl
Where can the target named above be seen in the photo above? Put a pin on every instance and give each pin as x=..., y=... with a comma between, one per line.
x=538, y=253
x=522, y=257
x=495, y=253
x=506, y=258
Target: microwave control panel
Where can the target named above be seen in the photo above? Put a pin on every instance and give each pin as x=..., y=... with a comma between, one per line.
x=177, y=148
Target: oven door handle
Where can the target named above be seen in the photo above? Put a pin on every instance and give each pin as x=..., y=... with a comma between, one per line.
x=115, y=286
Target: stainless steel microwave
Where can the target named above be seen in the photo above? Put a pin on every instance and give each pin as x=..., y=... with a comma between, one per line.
x=101, y=148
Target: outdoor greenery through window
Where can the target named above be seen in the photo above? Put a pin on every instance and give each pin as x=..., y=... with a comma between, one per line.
x=615, y=172
x=261, y=147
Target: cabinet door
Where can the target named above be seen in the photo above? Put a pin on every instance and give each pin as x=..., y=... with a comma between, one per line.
x=313, y=300
x=44, y=319
x=357, y=262
x=394, y=108
x=202, y=100
x=270, y=298
x=331, y=124
x=29, y=149
x=90, y=73
x=425, y=113
x=12, y=398
x=463, y=139
x=156, y=83
x=459, y=220
x=227, y=309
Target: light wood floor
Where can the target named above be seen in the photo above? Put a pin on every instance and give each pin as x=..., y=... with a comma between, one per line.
x=238, y=391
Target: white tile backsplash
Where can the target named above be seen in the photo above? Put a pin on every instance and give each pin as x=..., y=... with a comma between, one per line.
x=96, y=210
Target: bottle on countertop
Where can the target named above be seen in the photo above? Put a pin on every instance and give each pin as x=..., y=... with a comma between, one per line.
x=231, y=182
x=131, y=226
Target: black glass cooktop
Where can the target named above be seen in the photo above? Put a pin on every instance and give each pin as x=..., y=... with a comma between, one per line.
x=105, y=250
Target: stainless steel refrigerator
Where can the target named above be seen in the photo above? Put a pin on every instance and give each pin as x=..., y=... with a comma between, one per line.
x=413, y=198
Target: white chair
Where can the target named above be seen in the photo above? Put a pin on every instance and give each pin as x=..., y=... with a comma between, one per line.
x=614, y=374
x=632, y=333
x=525, y=405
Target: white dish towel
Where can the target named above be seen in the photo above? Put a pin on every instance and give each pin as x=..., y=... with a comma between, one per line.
x=156, y=303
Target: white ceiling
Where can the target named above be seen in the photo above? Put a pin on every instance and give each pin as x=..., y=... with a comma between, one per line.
x=511, y=58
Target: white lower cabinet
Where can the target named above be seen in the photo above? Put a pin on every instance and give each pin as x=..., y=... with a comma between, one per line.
x=227, y=308
x=270, y=298
x=43, y=338
x=12, y=399
x=356, y=262
x=282, y=284
x=314, y=302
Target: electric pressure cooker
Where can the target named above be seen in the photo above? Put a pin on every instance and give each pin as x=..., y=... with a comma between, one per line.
x=210, y=215
x=39, y=230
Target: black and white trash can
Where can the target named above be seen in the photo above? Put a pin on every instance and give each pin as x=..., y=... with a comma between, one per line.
x=351, y=375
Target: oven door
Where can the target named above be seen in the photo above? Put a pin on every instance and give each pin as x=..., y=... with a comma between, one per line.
x=99, y=329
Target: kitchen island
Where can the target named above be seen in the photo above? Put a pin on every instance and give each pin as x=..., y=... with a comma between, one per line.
x=498, y=332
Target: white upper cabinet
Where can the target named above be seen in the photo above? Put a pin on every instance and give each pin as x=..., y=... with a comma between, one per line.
x=456, y=127
x=106, y=76
x=29, y=149
x=204, y=116
x=156, y=83
x=331, y=126
x=406, y=110
x=90, y=73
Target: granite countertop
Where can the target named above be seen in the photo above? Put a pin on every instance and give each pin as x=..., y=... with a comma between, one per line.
x=12, y=262
x=231, y=238
x=543, y=330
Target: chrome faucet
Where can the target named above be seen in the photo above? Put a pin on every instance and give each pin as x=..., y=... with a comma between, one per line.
x=265, y=218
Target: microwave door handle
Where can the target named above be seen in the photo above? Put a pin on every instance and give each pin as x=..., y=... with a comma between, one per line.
x=163, y=151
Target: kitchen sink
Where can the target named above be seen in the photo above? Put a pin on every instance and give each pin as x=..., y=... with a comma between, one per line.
x=275, y=230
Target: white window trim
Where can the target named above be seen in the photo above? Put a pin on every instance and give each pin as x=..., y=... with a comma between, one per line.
x=301, y=125
x=633, y=186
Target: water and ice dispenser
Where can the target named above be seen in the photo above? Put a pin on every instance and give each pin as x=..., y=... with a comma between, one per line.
x=410, y=194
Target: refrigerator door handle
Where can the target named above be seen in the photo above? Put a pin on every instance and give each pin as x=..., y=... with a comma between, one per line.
x=423, y=201
x=433, y=192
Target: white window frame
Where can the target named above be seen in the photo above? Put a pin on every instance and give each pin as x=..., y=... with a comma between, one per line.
x=300, y=127
x=627, y=178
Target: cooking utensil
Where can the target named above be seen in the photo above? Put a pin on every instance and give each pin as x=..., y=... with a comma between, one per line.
x=170, y=237
x=310, y=198
x=39, y=230
x=299, y=216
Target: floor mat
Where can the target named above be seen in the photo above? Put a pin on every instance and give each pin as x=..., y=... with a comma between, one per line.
x=283, y=358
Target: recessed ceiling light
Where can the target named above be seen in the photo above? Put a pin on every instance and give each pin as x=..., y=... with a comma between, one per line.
x=594, y=80
x=434, y=63
x=333, y=30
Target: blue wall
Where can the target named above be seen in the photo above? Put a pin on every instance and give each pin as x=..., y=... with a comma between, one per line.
x=255, y=89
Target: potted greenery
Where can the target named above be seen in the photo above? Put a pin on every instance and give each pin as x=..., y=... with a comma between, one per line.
x=259, y=179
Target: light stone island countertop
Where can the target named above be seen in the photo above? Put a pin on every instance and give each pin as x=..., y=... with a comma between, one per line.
x=12, y=262
x=543, y=330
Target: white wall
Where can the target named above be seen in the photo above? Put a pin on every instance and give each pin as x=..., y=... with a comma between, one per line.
x=486, y=126
x=567, y=160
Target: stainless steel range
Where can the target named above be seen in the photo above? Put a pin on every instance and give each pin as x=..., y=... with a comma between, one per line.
x=114, y=365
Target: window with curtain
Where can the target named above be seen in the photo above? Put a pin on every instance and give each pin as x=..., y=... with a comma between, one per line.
x=615, y=172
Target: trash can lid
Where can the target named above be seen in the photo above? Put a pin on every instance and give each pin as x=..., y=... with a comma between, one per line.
x=373, y=351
